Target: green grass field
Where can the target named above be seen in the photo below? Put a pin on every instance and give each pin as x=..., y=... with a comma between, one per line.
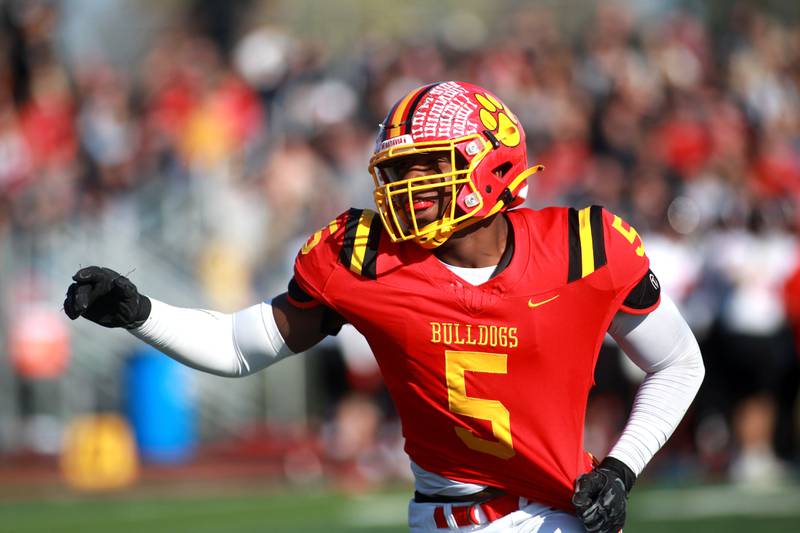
x=706, y=509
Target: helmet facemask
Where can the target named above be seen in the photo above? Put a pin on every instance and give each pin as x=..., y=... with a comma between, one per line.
x=400, y=200
x=481, y=140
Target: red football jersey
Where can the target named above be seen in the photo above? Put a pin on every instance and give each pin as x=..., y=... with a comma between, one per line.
x=490, y=381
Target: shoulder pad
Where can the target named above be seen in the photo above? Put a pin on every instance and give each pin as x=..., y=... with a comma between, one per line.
x=587, y=248
x=350, y=240
x=360, y=240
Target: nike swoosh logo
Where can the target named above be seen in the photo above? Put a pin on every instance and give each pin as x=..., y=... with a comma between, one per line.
x=533, y=304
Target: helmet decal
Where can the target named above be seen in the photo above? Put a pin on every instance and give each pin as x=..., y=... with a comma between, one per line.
x=445, y=112
x=498, y=120
x=396, y=141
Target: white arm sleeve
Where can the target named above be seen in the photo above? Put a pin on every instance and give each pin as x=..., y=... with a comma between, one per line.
x=231, y=345
x=662, y=345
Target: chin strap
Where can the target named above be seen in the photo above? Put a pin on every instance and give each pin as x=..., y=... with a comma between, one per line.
x=437, y=238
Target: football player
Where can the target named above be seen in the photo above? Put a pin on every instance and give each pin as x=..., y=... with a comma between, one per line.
x=485, y=320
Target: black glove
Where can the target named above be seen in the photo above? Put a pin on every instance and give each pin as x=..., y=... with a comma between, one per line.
x=106, y=298
x=601, y=496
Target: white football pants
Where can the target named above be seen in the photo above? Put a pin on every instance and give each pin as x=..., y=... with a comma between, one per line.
x=532, y=518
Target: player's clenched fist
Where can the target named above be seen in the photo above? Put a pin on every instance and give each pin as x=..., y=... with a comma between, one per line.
x=601, y=496
x=106, y=298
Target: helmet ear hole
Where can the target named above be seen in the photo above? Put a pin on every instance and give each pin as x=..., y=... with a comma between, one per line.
x=502, y=170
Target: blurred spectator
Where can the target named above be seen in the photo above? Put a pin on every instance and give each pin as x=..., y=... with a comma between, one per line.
x=229, y=139
x=752, y=352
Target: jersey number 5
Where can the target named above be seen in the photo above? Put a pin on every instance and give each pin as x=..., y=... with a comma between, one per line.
x=456, y=364
x=630, y=234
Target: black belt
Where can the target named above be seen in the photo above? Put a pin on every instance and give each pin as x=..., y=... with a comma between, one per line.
x=481, y=496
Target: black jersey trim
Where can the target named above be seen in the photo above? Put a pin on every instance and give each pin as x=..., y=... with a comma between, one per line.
x=574, y=271
x=587, y=248
x=645, y=294
x=299, y=297
x=369, y=268
x=349, y=239
x=409, y=121
x=598, y=236
x=297, y=293
x=360, y=242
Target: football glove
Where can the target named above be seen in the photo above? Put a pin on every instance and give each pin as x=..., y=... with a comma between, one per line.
x=106, y=298
x=601, y=496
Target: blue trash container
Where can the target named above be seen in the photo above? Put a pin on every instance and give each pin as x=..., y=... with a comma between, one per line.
x=160, y=406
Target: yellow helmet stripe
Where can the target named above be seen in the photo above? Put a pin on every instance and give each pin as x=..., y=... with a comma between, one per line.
x=404, y=109
x=396, y=120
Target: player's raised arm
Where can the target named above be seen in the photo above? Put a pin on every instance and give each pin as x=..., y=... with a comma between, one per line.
x=235, y=344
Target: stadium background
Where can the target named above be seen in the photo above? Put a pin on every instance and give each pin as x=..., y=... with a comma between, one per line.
x=196, y=144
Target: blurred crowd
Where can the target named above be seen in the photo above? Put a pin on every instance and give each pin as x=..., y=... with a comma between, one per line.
x=687, y=126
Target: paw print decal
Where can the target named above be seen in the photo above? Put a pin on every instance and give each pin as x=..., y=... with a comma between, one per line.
x=499, y=120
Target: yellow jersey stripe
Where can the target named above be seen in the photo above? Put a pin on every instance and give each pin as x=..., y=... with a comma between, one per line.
x=587, y=252
x=360, y=243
